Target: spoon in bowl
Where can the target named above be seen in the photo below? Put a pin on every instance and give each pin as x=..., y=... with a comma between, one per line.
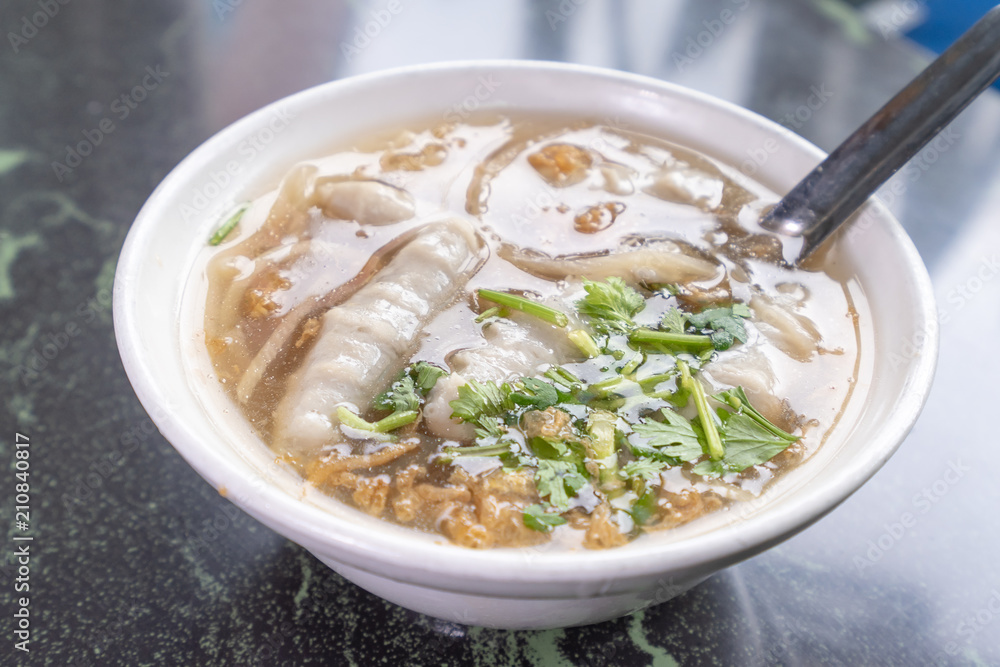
x=824, y=199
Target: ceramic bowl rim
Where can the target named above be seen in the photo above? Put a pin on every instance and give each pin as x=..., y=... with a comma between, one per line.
x=379, y=551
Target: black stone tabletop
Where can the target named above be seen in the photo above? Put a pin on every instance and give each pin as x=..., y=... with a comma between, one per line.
x=135, y=560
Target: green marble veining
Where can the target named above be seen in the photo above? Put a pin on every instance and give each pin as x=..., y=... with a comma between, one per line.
x=303, y=593
x=11, y=159
x=852, y=25
x=542, y=648
x=127, y=570
x=53, y=210
x=638, y=635
x=10, y=247
x=66, y=210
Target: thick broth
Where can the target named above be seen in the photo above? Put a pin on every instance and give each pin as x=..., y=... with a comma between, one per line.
x=538, y=194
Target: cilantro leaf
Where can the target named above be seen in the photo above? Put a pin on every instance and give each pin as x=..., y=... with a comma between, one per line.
x=645, y=469
x=536, y=518
x=723, y=324
x=559, y=481
x=737, y=399
x=500, y=448
x=674, y=321
x=644, y=508
x=537, y=394
x=747, y=444
x=592, y=397
x=477, y=399
x=610, y=305
x=425, y=375
x=548, y=448
x=481, y=404
x=400, y=396
x=407, y=392
x=674, y=438
x=679, y=397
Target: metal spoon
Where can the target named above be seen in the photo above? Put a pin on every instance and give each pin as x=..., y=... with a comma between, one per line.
x=824, y=199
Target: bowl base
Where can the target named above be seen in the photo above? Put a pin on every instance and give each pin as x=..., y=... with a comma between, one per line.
x=513, y=613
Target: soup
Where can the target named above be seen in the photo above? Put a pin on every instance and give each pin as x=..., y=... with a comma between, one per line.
x=526, y=330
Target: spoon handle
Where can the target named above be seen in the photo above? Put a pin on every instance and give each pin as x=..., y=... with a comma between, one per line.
x=825, y=198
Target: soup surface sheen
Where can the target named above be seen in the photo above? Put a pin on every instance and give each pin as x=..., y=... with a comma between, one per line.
x=528, y=330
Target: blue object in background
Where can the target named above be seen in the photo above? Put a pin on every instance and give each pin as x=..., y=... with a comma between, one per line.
x=947, y=20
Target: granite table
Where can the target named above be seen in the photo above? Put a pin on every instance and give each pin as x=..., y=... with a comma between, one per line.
x=134, y=560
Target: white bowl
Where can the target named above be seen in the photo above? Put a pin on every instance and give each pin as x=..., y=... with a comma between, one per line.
x=510, y=588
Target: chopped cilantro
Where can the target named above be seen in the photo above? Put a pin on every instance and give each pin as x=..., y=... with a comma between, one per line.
x=481, y=404
x=706, y=418
x=536, y=518
x=426, y=375
x=737, y=399
x=713, y=329
x=560, y=379
x=558, y=481
x=584, y=342
x=497, y=449
x=346, y=416
x=601, y=427
x=675, y=437
x=645, y=469
x=488, y=405
x=390, y=423
x=403, y=398
x=410, y=388
x=644, y=508
x=674, y=321
x=525, y=305
x=750, y=437
x=724, y=325
x=610, y=305
x=476, y=399
x=671, y=340
x=747, y=444
x=402, y=395
x=536, y=393
x=549, y=449
x=601, y=424
x=226, y=228
x=495, y=311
